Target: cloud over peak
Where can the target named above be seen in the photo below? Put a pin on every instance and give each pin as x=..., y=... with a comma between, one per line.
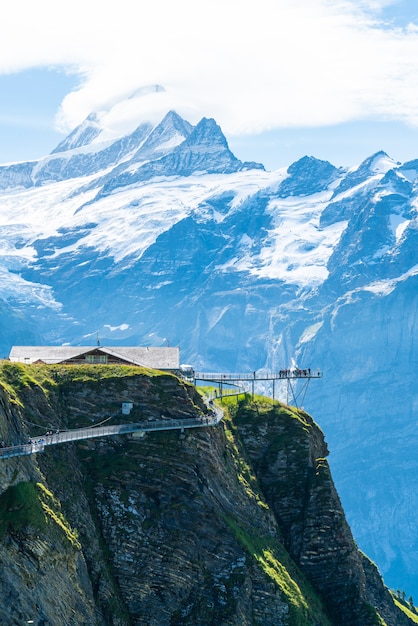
x=251, y=66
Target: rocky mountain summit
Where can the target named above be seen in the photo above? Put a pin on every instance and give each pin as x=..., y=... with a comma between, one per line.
x=164, y=236
x=231, y=525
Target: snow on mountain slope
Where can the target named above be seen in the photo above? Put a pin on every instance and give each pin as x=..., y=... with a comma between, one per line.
x=298, y=248
x=81, y=136
x=163, y=235
x=125, y=224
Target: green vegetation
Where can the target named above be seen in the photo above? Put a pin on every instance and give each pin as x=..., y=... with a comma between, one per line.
x=93, y=373
x=288, y=434
x=51, y=384
x=406, y=607
x=20, y=506
x=378, y=619
x=244, y=409
x=243, y=469
x=52, y=509
x=269, y=553
x=17, y=376
x=305, y=607
x=372, y=615
x=32, y=505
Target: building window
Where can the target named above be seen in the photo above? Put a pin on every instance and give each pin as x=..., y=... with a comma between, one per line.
x=96, y=358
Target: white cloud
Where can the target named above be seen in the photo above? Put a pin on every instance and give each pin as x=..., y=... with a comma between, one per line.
x=251, y=65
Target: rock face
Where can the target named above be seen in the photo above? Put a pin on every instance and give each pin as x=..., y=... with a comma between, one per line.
x=238, y=524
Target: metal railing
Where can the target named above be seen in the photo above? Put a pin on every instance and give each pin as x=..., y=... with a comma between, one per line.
x=38, y=443
x=280, y=375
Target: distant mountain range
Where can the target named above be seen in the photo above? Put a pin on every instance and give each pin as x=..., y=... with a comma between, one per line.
x=165, y=237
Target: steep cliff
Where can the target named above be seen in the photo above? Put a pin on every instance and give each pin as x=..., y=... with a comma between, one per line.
x=233, y=525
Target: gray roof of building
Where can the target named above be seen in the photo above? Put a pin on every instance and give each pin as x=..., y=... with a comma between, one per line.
x=157, y=358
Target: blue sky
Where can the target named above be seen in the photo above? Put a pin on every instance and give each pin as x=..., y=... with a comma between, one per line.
x=29, y=102
x=333, y=79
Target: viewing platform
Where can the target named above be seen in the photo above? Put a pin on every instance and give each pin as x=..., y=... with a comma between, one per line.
x=280, y=375
x=295, y=379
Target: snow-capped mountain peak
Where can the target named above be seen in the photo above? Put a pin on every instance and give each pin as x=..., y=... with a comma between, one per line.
x=81, y=136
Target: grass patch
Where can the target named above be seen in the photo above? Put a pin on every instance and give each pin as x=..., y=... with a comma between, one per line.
x=93, y=373
x=20, y=376
x=405, y=609
x=242, y=468
x=52, y=509
x=305, y=607
x=16, y=377
x=247, y=410
x=20, y=506
x=32, y=505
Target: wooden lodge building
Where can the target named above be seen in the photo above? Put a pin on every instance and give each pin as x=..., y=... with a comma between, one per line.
x=166, y=359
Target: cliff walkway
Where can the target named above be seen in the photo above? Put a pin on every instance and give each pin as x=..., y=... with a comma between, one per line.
x=38, y=444
x=227, y=385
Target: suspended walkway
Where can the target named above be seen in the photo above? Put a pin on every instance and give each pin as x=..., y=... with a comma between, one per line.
x=38, y=444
